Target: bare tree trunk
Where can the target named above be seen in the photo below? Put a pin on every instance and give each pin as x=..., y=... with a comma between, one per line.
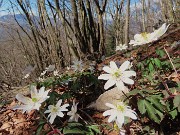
x=143, y=16
x=164, y=10
x=170, y=11
x=127, y=23
x=177, y=11
x=100, y=11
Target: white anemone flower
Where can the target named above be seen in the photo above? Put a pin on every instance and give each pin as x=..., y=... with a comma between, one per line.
x=73, y=113
x=43, y=73
x=159, y=32
x=77, y=65
x=56, y=73
x=121, y=47
x=118, y=112
x=144, y=38
x=140, y=39
x=26, y=76
x=34, y=102
x=117, y=76
x=56, y=110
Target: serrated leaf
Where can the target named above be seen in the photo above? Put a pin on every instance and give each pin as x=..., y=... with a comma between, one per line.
x=94, y=128
x=145, y=106
x=151, y=112
x=76, y=130
x=176, y=102
x=161, y=53
x=133, y=92
x=173, y=113
x=74, y=124
x=141, y=106
x=151, y=67
x=40, y=127
x=157, y=62
x=156, y=102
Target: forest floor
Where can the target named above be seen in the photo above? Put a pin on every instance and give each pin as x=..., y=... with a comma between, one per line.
x=16, y=123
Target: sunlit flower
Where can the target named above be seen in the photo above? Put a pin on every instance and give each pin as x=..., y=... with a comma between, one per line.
x=43, y=73
x=56, y=73
x=117, y=76
x=118, y=112
x=121, y=47
x=40, y=79
x=140, y=39
x=56, y=110
x=159, y=32
x=77, y=65
x=26, y=76
x=34, y=102
x=73, y=113
x=144, y=38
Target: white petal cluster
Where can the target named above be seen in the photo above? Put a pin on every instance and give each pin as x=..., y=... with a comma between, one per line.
x=117, y=76
x=50, y=68
x=74, y=116
x=121, y=47
x=77, y=65
x=56, y=110
x=144, y=38
x=34, y=102
x=118, y=112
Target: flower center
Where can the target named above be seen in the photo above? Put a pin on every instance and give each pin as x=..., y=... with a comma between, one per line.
x=34, y=99
x=54, y=109
x=121, y=107
x=144, y=35
x=117, y=74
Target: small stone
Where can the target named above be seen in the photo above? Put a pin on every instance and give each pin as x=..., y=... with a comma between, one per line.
x=111, y=96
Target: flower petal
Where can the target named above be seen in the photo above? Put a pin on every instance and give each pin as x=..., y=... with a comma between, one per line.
x=120, y=85
x=33, y=91
x=129, y=73
x=104, y=76
x=53, y=116
x=60, y=114
x=130, y=113
x=108, y=112
x=128, y=80
x=112, y=116
x=110, y=105
x=124, y=66
x=58, y=104
x=47, y=111
x=109, y=83
x=23, y=99
x=107, y=69
x=119, y=123
x=113, y=65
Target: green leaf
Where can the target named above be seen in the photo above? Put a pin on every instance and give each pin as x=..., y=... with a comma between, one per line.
x=66, y=95
x=94, y=128
x=161, y=53
x=151, y=67
x=156, y=102
x=40, y=127
x=176, y=102
x=151, y=112
x=75, y=130
x=145, y=106
x=141, y=106
x=173, y=113
x=133, y=92
x=74, y=124
x=157, y=62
